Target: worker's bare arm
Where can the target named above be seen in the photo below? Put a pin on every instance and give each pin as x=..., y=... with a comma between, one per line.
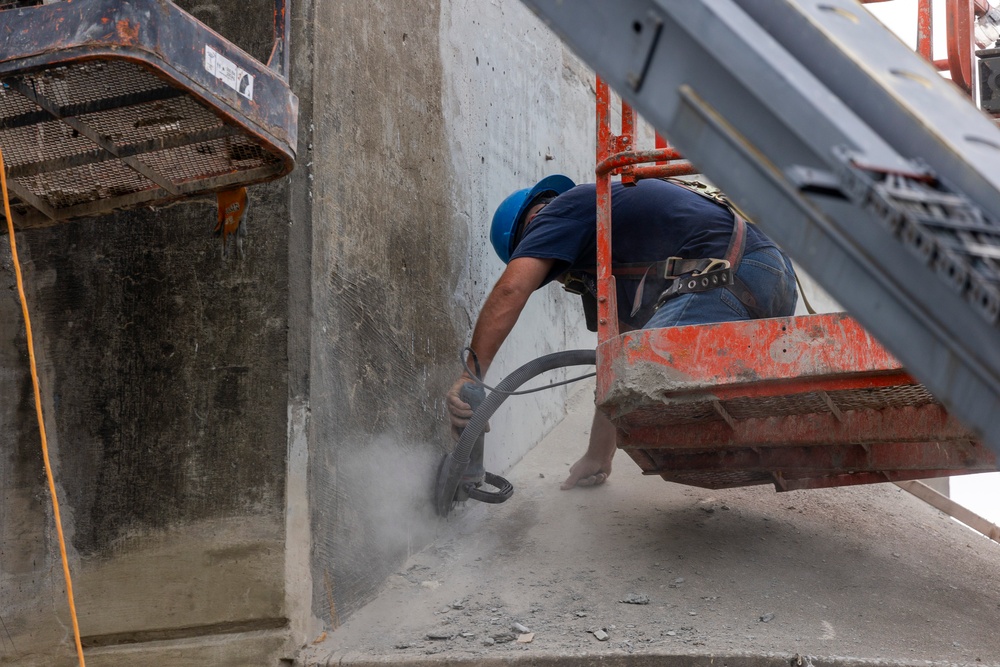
x=503, y=306
x=499, y=314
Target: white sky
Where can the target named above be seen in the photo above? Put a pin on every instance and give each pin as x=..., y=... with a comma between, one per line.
x=901, y=17
x=980, y=493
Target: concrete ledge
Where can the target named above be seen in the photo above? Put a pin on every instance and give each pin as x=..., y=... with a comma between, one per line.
x=649, y=660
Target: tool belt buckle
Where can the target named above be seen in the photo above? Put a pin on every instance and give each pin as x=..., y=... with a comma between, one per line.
x=676, y=268
x=667, y=268
x=715, y=265
x=717, y=273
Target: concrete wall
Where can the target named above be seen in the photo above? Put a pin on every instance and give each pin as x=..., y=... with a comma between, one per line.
x=426, y=115
x=245, y=450
x=164, y=379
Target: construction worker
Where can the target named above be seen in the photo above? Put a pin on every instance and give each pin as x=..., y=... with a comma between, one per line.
x=680, y=256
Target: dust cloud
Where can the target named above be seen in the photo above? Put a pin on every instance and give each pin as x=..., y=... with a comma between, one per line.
x=390, y=484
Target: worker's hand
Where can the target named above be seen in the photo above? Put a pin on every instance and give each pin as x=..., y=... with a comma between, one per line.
x=459, y=412
x=590, y=470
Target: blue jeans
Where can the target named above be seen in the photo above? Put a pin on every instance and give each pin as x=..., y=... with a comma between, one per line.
x=766, y=272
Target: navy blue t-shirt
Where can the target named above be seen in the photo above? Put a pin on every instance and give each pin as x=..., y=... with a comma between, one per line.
x=650, y=221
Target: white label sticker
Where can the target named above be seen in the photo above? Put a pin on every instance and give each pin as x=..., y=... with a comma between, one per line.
x=229, y=72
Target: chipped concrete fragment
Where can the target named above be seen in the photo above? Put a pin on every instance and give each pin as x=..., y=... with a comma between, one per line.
x=601, y=635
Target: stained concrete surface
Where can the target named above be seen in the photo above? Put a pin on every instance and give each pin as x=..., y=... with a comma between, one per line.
x=418, y=133
x=164, y=388
x=857, y=575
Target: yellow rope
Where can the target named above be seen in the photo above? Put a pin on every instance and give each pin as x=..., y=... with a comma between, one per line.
x=38, y=410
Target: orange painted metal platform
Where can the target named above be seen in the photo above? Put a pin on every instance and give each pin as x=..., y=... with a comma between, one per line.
x=799, y=402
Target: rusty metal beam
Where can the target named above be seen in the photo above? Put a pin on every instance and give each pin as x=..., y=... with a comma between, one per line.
x=650, y=429
x=826, y=459
x=854, y=479
x=779, y=356
x=156, y=196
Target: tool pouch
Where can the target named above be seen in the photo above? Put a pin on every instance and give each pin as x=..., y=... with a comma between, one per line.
x=586, y=287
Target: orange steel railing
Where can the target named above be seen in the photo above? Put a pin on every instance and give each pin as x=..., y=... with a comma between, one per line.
x=616, y=156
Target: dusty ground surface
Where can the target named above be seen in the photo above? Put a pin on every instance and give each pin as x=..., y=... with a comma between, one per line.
x=674, y=575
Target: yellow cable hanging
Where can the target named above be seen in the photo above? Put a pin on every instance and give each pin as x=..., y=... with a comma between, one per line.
x=38, y=410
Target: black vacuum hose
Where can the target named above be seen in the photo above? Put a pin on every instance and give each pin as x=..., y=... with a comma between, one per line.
x=455, y=463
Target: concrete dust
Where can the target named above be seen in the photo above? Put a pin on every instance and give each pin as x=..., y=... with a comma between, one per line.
x=641, y=568
x=390, y=483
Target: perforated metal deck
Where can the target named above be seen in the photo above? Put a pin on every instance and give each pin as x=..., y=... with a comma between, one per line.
x=108, y=105
x=801, y=402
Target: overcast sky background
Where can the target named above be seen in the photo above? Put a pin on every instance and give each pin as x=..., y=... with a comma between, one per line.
x=980, y=493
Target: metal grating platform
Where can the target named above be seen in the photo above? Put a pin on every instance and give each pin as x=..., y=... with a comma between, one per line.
x=106, y=106
x=800, y=402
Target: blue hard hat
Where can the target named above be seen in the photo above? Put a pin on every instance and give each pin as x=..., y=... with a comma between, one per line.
x=504, y=227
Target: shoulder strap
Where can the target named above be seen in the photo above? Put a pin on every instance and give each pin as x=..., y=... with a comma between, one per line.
x=737, y=241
